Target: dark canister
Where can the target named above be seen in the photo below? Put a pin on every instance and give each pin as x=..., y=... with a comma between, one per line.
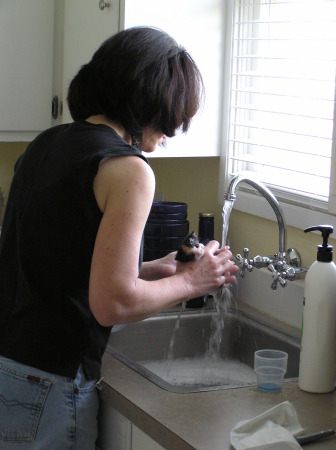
x=206, y=223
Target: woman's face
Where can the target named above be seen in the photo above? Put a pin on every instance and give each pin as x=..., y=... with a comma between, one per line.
x=151, y=139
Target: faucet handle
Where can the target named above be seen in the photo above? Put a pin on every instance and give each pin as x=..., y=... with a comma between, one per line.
x=244, y=262
x=281, y=271
x=277, y=277
x=287, y=272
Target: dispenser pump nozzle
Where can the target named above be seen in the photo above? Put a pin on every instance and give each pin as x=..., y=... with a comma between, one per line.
x=324, y=251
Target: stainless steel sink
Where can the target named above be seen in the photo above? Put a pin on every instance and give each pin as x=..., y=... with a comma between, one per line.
x=169, y=346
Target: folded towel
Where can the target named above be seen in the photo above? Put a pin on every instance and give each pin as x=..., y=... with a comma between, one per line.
x=273, y=429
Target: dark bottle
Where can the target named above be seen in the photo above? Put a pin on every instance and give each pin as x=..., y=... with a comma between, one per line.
x=206, y=224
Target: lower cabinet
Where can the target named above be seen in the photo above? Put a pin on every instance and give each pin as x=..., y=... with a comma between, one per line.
x=141, y=441
x=116, y=432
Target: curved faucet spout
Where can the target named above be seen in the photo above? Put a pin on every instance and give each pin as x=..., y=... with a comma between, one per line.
x=230, y=195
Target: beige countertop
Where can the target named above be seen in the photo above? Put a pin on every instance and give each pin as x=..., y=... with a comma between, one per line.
x=203, y=420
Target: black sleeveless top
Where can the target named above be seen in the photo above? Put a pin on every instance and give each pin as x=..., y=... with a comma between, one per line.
x=46, y=246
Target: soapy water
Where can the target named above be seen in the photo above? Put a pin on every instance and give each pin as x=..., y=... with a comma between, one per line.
x=202, y=371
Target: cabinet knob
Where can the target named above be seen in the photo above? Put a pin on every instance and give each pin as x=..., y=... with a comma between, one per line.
x=54, y=107
x=102, y=5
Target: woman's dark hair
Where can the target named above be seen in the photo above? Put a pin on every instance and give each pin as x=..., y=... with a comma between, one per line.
x=139, y=77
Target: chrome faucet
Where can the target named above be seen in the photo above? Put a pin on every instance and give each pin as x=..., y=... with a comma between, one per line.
x=277, y=265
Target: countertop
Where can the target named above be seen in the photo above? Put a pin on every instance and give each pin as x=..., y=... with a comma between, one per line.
x=203, y=420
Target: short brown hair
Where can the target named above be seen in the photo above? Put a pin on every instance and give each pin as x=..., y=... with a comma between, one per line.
x=139, y=77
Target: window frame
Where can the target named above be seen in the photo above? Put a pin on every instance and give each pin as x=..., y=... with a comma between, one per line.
x=248, y=200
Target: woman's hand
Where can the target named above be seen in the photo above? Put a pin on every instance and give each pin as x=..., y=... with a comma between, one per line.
x=213, y=270
x=229, y=278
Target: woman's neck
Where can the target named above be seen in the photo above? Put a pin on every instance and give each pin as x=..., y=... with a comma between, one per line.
x=117, y=127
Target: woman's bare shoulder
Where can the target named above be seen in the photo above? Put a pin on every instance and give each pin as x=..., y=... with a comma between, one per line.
x=120, y=175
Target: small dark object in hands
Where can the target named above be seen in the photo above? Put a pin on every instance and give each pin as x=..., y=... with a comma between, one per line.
x=190, y=249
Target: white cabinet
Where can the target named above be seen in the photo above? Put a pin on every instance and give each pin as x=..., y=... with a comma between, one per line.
x=116, y=432
x=81, y=26
x=141, y=440
x=43, y=43
x=26, y=55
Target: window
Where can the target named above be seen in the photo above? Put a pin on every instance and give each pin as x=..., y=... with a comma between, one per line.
x=281, y=97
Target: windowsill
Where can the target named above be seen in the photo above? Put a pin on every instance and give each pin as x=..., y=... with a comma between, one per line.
x=295, y=216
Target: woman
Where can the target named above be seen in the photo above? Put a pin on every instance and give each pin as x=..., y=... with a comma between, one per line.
x=70, y=249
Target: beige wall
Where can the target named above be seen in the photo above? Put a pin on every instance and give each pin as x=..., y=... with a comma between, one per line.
x=9, y=153
x=195, y=182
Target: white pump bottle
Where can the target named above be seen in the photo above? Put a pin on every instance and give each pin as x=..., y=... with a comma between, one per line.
x=318, y=342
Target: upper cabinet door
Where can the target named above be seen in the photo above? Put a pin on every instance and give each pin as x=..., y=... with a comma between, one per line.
x=198, y=26
x=26, y=55
x=86, y=24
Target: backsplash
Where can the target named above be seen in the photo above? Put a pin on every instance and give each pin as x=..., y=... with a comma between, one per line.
x=284, y=304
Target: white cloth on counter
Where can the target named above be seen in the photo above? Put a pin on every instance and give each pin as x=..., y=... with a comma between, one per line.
x=274, y=429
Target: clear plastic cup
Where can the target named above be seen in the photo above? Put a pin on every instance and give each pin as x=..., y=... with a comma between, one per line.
x=270, y=367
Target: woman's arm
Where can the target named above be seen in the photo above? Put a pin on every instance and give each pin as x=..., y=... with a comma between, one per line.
x=124, y=189
x=159, y=268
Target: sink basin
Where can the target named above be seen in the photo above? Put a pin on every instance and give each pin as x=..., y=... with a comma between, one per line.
x=176, y=351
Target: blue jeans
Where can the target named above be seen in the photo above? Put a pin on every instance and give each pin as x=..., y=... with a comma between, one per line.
x=40, y=410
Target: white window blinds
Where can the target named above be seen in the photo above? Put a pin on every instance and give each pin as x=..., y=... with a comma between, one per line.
x=282, y=95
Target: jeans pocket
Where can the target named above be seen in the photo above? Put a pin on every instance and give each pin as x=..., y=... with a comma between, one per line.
x=22, y=397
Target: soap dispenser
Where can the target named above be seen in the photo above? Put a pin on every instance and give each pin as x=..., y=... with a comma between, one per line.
x=318, y=340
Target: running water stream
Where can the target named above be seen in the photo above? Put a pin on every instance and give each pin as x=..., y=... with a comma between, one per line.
x=172, y=340
x=227, y=208
x=222, y=296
